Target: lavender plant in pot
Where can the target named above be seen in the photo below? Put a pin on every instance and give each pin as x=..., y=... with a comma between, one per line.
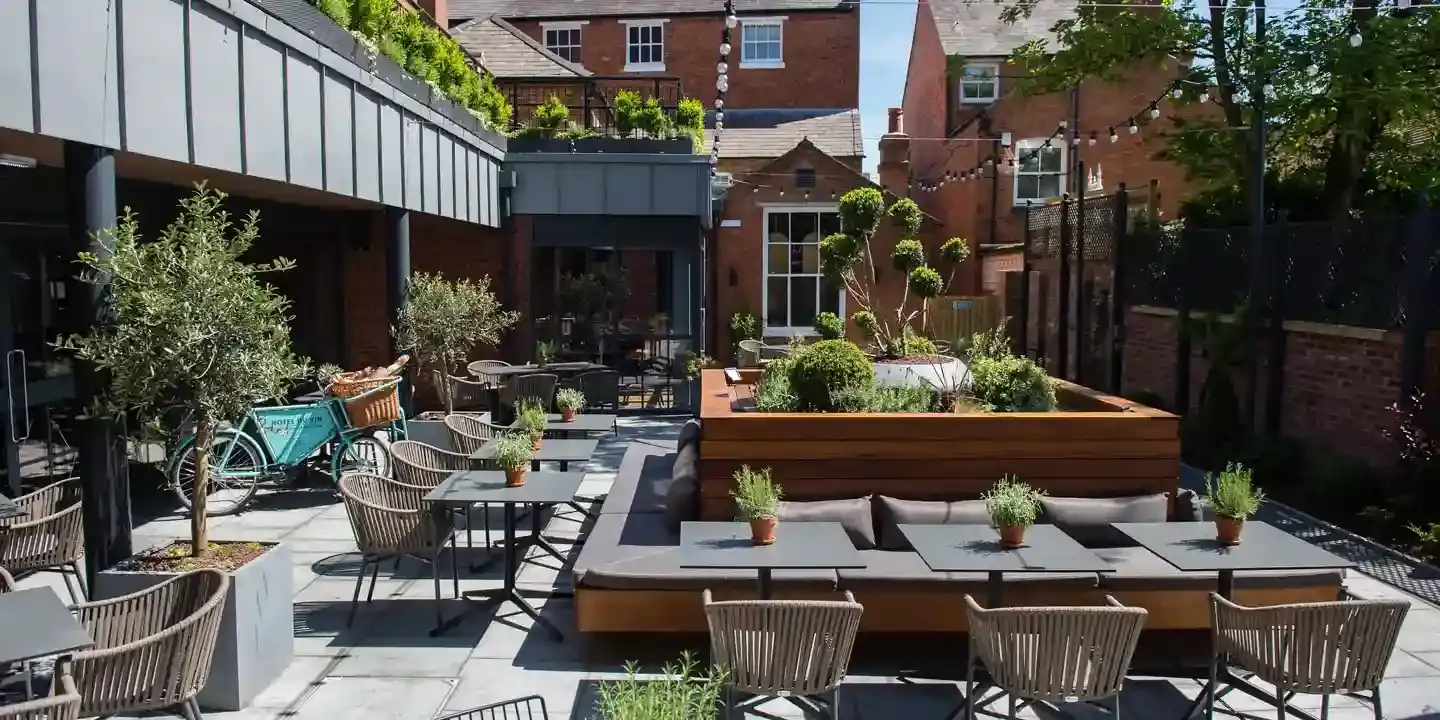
x=1013, y=507
x=531, y=417
x=758, y=499
x=513, y=454
x=570, y=401
x=1233, y=498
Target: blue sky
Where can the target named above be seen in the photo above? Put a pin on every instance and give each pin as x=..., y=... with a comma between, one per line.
x=885, y=30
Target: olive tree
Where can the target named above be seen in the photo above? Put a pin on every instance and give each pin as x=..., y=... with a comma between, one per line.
x=444, y=320
x=190, y=324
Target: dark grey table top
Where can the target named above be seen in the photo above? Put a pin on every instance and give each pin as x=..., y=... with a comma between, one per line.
x=976, y=548
x=798, y=546
x=1192, y=546
x=558, y=368
x=551, y=450
x=468, y=487
x=591, y=422
x=38, y=624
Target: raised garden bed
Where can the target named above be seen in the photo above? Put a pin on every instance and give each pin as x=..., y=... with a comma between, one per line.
x=1097, y=445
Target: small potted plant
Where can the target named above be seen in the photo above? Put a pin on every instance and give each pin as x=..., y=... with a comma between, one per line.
x=1013, y=507
x=531, y=417
x=513, y=452
x=758, y=499
x=1233, y=497
x=570, y=401
x=545, y=352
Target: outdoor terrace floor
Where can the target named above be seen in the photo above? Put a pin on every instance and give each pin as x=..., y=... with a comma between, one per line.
x=386, y=665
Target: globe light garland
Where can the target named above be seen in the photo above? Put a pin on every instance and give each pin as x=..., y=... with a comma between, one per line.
x=722, y=85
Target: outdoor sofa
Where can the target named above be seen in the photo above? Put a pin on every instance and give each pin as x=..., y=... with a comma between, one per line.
x=628, y=578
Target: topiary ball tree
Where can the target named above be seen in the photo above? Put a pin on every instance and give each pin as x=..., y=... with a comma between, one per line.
x=829, y=326
x=825, y=368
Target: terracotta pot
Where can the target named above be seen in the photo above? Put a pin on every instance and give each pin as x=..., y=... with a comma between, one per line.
x=535, y=440
x=567, y=416
x=762, y=530
x=1012, y=536
x=1227, y=530
x=515, y=478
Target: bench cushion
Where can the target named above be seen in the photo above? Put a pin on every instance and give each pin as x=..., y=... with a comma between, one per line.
x=682, y=497
x=904, y=571
x=895, y=512
x=689, y=433
x=1087, y=520
x=852, y=514
x=622, y=537
x=642, y=482
x=1138, y=569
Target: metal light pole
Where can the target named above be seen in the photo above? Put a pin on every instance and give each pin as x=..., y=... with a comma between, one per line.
x=1257, y=212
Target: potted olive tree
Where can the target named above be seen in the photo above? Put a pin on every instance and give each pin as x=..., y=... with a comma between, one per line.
x=1233, y=498
x=194, y=325
x=531, y=417
x=758, y=499
x=513, y=453
x=1013, y=507
x=570, y=401
x=681, y=693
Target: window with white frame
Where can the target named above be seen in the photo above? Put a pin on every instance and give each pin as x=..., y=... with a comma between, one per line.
x=1039, y=170
x=795, y=289
x=563, y=39
x=979, y=84
x=762, y=43
x=645, y=46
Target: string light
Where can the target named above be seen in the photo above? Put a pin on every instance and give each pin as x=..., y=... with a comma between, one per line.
x=1091, y=141
x=1154, y=111
x=1178, y=93
x=1355, y=39
x=1134, y=128
x=1313, y=70
x=722, y=85
x=1113, y=136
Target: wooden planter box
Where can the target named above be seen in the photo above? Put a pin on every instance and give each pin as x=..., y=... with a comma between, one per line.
x=1098, y=446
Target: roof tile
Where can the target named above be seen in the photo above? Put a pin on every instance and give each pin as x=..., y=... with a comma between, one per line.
x=753, y=133
x=465, y=9
x=973, y=28
x=507, y=52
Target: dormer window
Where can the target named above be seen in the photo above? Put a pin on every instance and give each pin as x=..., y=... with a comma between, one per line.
x=980, y=84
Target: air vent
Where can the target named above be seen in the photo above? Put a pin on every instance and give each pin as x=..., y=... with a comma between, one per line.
x=804, y=177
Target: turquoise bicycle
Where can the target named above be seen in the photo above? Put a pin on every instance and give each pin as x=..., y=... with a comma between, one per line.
x=277, y=443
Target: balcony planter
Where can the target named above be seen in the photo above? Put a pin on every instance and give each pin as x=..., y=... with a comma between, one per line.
x=257, y=629
x=646, y=146
x=937, y=373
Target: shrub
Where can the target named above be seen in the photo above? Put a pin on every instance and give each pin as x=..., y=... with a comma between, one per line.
x=1011, y=501
x=826, y=367
x=570, y=399
x=829, y=326
x=755, y=494
x=992, y=343
x=531, y=415
x=911, y=344
x=865, y=320
x=678, y=694
x=1011, y=384
x=876, y=399
x=513, y=451
x=1232, y=494
x=773, y=393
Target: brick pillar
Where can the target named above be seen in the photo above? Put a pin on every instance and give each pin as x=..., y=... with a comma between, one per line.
x=520, y=341
x=439, y=10
x=894, y=163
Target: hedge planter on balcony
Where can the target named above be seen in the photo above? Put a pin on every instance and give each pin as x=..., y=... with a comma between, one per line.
x=681, y=146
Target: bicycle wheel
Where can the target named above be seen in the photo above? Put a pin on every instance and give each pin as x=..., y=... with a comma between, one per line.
x=237, y=465
x=367, y=454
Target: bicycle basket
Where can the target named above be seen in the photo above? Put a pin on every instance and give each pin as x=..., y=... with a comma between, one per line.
x=526, y=708
x=378, y=404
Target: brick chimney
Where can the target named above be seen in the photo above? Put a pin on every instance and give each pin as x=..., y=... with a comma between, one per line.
x=437, y=9
x=894, y=165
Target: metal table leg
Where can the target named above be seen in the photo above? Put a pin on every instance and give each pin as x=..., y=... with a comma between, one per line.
x=765, y=584
x=493, y=598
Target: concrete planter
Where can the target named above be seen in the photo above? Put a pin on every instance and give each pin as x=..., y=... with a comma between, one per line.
x=944, y=374
x=257, y=630
x=429, y=431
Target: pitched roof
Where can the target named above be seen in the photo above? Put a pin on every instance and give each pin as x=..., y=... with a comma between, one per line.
x=464, y=9
x=973, y=28
x=759, y=133
x=507, y=52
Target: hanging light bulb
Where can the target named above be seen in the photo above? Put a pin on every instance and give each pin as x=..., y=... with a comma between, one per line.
x=722, y=83
x=782, y=192
x=719, y=103
x=964, y=177
x=1062, y=124
x=1091, y=141
x=719, y=116
x=1205, y=97
x=1075, y=141
x=719, y=126
x=1356, y=40
x=1113, y=136
x=1313, y=70
x=731, y=21
x=722, y=67
x=990, y=161
x=1154, y=111
x=1269, y=91
x=1134, y=128
x=725, y=48
x=832, y=194
x=1177, y=93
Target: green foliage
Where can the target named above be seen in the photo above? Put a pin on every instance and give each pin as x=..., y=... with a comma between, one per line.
x=690, y=119
x=550, y=119
x=545, y=351
x=652, y=121
x=906, y=215
x=626, y=112
x=530, y=414
x=570, y=399
x=744, y=326
x=829, y=326
x=695, y=362
x=1232, y=494
x=756, y=495
x=875, y=399
x=955, y=250
x=192, y=324
x=514, y=451
x=908, y=255
x=925, y=282
x=443, y=321
x=1009, y=383
x=825, y=368
x=990, y=344
x=865, y=320
x=1011, y=501
x=338, y=10
x=912, y=344
x=1220, y=426
x=680, y=693
x=773, y=393
x=861, y=209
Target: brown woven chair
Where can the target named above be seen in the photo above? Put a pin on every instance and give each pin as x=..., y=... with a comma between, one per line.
x=389, y=523
x=795, y=649
x=427, y=466
x=152, y=648
x=601, y=389
x=49, y=536
x=480, y=371
x=63, y=703
x=540, y=386
x=7, y=582
x=1328, y=648
x=469, y=433
x=468, y=395
x=1053, y=654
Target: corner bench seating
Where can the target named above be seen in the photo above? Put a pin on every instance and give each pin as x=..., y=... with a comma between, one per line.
x=628, y=579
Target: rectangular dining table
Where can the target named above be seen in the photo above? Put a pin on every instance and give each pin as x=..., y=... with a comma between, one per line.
x=797, y=546
x=35, y=623
x=556, y=450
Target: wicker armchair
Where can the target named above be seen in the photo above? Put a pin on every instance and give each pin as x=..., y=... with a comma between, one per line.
x=49, y=536
x=796, y=649
x=749, y=353
x=427, y=466
x=540, y=386
x=63, y=703
x=1053, y=654
x=469, y=433
x=1327, y=648
x=7, y=582
x=389, y=523
x=480, y=371
x=468, y=395
x=601, y=389
x=152, y=648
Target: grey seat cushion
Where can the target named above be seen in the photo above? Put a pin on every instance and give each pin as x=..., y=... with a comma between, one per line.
x=642, y=482
x=904, y=571
x=623, y=537
x=853, y=514
x=1087, y=520
x=894, y=512
x=682, y=497
x=689, y=433
x=1139, y=569
x=1188, y=506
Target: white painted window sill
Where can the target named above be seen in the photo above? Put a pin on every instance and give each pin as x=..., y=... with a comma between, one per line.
x=646, y=67
x=764, y=65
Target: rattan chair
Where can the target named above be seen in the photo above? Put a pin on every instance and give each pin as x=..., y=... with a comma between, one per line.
x=468, y=395
x=1053, y=654
x=152, y=648
x=427, y=466
x=601, y=389
x=389, y=523
x=7, y=581
x=63, y=703
x=1327, y=648
x=539, y=386
x=49, y=536
x=795, y=649
x=749, y=353
x=469, y=433
x=480, y=371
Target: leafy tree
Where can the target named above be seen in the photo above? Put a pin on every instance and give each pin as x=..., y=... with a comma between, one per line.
x=1350, y=90
x=193, y=325
x=444, y=320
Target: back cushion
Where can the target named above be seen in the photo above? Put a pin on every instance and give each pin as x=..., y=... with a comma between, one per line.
x=1087, y=520
x=852, y=514
x=682, y=498
x=894, y=513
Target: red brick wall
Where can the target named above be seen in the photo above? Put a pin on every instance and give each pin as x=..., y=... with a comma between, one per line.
x=925, y=104
x=821, y=55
